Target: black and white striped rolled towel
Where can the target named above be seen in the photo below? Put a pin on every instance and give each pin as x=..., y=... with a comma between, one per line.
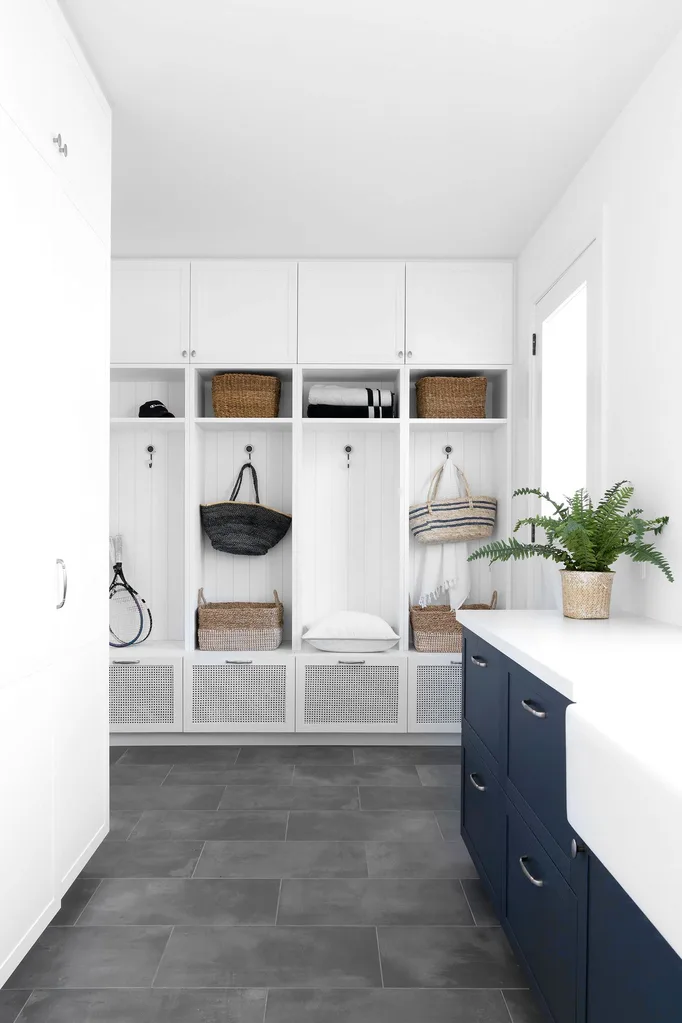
x=331, y=400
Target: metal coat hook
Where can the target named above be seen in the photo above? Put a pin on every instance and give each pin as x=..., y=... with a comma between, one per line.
x=348, y=450
x=448, y=450
x=150, y=451
x=249, y=449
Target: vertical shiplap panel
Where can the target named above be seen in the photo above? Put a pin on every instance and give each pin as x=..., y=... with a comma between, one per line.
x=128, y=395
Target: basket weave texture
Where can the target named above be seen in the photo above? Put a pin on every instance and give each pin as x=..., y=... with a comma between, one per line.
x=586, y=594
x=245, y=396
x=436, y=630
x=451, y=397
x=239, y=626
x=454, y=520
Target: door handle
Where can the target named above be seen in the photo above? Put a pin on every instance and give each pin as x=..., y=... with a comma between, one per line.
x=480, y=662
x=477, y=784
x=238, y=662
x=532, y=709
x=349, y=662
x=65, y=583
x=533, y=880
x=125, y=662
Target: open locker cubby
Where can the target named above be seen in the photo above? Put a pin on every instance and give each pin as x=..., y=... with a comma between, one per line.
x=497, y=392
x=202, y=389
x=131, y=387
x=383, y=377
x=217, y=457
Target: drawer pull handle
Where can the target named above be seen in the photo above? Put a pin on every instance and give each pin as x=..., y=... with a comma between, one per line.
x=125, y=662
x=533, y=880
x=238, y=662
x=349, y=662
x=480, y=662
x=528, y=705
x=477, y=784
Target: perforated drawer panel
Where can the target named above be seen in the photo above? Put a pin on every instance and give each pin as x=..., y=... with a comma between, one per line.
x=141, y=694
x=367, y=694
x=439, y=694
x=239, y=694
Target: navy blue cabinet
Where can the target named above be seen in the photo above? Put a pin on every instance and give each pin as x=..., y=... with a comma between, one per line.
x=485, y=693
x=483, y=817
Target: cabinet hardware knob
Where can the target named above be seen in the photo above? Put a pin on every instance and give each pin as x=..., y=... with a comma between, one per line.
x=125, y=662
x=238, y=662
x=528, y=705
x=400, y=354
x=184, y=353
x=477, y=784
x=409, y=355
x=349, y=662
x=194, y=354
x=576, y=848
x=57, y=139
x=480, y=662
x=65, y=583
x=64, y=149
x=533, y=880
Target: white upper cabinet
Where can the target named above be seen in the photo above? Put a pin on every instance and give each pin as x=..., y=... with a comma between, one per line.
x=351, y=312
x=243, y=311
x=459, y=313
x=150, y=311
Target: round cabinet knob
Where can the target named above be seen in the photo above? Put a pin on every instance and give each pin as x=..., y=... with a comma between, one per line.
x=184, y=353
x=64, y=149
x=576, y=848
x=409, y=355
x=400, y=355
x=57, y=139
x=194, y=354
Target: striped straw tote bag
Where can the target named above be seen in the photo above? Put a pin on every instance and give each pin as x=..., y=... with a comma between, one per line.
x=455, y=519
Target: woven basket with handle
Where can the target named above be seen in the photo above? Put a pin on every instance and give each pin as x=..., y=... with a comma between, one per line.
x=455, y=519
x=436, y=630
x=245, y=396
x=451, y=397
x=239, y=626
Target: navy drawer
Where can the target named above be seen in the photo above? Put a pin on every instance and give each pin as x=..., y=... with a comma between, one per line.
x=483, y=815
x=542, y=913
x=536, y=764
x=485, y=691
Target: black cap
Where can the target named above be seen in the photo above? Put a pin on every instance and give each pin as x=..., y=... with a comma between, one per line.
x=154, y=410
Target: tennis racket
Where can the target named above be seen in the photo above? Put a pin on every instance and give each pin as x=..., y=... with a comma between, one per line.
x=130, y=620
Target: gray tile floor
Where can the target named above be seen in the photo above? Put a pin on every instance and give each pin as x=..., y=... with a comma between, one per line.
x=276, y=885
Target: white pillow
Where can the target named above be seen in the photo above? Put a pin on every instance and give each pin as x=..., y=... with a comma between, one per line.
x=351, y=632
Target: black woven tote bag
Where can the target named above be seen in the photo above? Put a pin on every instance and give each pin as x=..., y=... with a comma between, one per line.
x=238, y=527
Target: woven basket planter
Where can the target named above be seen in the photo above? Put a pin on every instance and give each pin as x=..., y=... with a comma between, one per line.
x=239, y=626
x=436, y=630
x=451, y=397
x=586, y=594
x=245, y=396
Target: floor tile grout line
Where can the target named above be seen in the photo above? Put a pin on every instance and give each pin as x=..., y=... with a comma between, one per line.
x=466, y=898
x=265, y=1007
x=435, y=815
x=165, y=949
x=286, y=830
x=506, y=1004
x=22, y=1007
x=381, y=968
x=165, y=778
x=101, y=881
x=279, y=899
x=201, y=853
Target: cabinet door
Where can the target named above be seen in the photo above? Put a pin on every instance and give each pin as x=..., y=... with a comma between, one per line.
x=633, y=975
x=243, y=312
x=485, y=692
x=150, y=311
x=351, y=693
x=542, y=912
x=351, y=312
x=459, y=313
x=81, y=760
x=483, y=815
x=27, y=893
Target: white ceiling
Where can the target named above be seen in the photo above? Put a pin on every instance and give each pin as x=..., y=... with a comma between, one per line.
x=357, y=127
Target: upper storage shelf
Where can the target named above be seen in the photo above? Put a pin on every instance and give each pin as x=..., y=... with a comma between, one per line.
x=322, y=312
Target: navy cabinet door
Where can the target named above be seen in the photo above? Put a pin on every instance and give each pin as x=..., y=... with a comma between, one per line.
x=633, y=975
x=542, y=913
x=537, y=750
x=485, y=691
x=483, y=815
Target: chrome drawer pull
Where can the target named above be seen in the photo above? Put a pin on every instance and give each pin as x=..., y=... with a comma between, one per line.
x=238, y=662
x=480, y=662
x=125, y=662
x=533, y=880
x=65, y=583
x=476, y=784
x=349, y=662
x=528, y=705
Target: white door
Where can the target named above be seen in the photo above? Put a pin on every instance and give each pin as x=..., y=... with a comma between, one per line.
x=351, y=312
x=27, y=893
x=243, y=312
x=150, y=311
x=459, y=313
x=566, y=400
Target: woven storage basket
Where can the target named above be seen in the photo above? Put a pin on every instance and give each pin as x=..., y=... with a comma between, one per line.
x=436, y=630
x=451, y=397
x=245, y=396
x=239, y=626
x=455, y=519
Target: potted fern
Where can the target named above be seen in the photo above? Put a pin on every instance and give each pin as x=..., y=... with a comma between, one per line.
x=587, y=540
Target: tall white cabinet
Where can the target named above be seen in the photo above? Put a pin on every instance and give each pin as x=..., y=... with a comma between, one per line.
x=55, y=271
x=375, y=323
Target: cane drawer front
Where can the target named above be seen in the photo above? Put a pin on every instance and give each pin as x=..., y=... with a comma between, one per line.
x=145, y=693
x=351, y=693
x=537, y=751
x=240, y=692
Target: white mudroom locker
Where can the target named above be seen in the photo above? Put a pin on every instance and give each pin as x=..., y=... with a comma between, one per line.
x=347, y=483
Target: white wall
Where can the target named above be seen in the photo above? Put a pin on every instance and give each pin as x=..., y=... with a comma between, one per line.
x=628, y=196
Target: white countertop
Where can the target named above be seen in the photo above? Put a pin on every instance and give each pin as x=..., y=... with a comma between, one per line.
x=623, y=741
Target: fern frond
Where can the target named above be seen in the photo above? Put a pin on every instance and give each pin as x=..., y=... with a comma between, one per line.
x=505, y=550
x=561, y=509
x=646, y=552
